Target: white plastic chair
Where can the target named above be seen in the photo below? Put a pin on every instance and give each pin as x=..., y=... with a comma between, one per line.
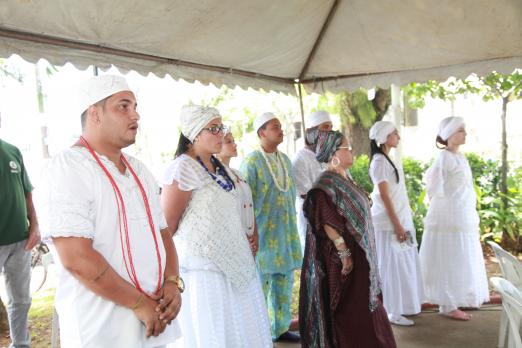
x=512, y=271
x=512, y=305
x=509, y=265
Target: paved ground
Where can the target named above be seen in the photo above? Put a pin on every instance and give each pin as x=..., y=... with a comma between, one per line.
x=434, y=331
x=430, y=331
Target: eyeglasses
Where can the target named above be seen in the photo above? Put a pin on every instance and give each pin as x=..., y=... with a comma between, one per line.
x=216, y=129
x=349, y=148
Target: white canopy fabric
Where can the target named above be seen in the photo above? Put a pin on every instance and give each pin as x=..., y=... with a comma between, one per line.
x=267, y=44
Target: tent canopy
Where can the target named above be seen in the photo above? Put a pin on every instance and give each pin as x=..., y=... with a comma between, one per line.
x=326, y=44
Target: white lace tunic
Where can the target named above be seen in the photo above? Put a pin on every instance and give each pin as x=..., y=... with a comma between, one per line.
x=210, y=227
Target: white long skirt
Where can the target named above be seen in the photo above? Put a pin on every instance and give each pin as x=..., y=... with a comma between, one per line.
x=400, y=273
x=453, y=269
x=214, y=314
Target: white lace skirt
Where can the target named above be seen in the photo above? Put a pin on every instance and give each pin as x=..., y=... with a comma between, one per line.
x=400, y=273
x=216, y=315
x=453, y=269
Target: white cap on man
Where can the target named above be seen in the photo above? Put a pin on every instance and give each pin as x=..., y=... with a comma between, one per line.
x=98, y=88
x=317, y=118
x=259, y=121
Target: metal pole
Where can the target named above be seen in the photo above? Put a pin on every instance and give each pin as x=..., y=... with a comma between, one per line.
x=397, y=114
x=300, y=93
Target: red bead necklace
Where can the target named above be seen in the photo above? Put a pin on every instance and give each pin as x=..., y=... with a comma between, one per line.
x=122, y=216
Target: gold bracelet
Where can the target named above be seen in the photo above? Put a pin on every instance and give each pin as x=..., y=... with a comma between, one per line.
x=138, y=302
x=102, y=273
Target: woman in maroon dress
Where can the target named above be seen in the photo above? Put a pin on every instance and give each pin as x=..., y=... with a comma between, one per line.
x=340, y=302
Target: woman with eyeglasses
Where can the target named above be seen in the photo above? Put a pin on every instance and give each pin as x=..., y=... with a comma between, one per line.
x=340, y=303
x=223, y=305
x=395, y=239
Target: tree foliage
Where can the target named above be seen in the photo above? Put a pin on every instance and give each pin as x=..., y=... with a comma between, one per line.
x=490, y=87
x=357, y=113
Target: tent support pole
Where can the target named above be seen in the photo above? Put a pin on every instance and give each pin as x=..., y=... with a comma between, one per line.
x=300, y=94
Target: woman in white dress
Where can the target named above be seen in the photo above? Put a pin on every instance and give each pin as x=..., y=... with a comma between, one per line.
x=223, y=305
x=245, y=202
x=395, y=240
x=451, y=256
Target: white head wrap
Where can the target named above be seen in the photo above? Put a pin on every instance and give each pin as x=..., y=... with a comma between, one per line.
x=317, y=118
x=380, y=131
x=449, y=126
x=98, y=88
x=194, y=118
x=262, y=119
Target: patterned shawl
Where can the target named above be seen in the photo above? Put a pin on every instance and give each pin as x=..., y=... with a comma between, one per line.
x=353, y=204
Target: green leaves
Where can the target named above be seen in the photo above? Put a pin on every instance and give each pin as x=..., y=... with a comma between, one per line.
x=493, y=86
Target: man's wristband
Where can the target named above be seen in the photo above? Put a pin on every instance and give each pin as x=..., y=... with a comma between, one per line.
x=176, y=280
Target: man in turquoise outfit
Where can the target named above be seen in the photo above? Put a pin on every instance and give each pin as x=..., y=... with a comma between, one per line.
x=269, y=174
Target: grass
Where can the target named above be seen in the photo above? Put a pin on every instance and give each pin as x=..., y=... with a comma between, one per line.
x=40, y=319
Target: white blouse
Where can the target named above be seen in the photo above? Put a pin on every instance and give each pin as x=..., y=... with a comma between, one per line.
x=382, y=171
x=453, y=201
x=245, y=203
x=306, y=170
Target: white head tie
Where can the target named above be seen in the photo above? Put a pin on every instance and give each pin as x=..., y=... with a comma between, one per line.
x=317, y=118
x=194, y=118
x=449, y=126
x=380, y=131
x=262, y=119
x=98, y=88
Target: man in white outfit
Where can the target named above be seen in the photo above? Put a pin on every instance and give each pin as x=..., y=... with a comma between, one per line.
x=306, y=167
x=117, y=268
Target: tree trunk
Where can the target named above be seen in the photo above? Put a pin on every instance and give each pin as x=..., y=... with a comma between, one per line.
x=359, y=139
x=351, y=120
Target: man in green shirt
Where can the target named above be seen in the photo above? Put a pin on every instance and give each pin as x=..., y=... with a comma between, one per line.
x=19, y=233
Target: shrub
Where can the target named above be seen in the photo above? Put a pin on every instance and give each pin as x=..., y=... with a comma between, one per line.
x=359, y=172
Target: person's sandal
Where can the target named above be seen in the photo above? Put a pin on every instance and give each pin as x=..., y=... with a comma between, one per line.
x=289, y=336
x=400, y=320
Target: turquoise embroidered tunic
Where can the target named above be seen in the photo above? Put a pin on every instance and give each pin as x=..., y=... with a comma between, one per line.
x=279, y=245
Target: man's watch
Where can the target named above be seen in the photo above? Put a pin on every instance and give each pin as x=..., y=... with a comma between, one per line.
x=176, y=280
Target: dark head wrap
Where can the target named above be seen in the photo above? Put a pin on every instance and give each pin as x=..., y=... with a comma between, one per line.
x=326, y=144
x=311, y=137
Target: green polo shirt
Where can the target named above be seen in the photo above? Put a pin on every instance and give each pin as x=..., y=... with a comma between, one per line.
x=14, y=185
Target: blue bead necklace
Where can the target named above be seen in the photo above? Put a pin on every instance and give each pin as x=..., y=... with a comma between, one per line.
x=228, y=186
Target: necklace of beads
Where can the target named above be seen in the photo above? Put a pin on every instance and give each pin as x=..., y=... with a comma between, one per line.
x=285, y=171
x=227, y=186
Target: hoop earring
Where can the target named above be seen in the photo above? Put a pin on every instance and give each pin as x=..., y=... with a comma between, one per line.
x=336, y=161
